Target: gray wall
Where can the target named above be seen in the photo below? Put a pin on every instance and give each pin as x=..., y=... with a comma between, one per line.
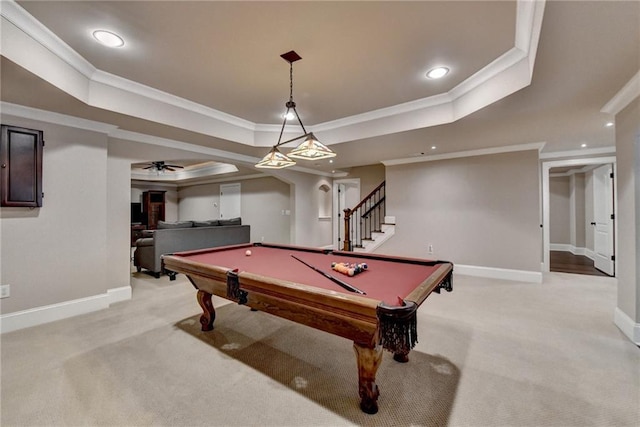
x=478, y=211
x=262, y=201
x=578, y=225
x=307, y=199
x=559, y=210
x=569, y=209
x=370, y=177
x=58, y=252
x=628, y=188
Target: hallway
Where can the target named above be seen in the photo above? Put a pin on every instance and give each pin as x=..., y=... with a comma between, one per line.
x=566, y=262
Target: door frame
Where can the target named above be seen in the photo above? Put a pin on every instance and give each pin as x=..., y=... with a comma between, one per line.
x=546, y=166
x=338, y=215
x=605, y=263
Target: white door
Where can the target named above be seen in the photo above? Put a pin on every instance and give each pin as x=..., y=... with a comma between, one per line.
x=603, y=217
x=230, y=201
x=348, y=197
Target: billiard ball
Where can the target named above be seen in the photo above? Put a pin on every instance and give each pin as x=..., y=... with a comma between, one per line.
x=248, y=252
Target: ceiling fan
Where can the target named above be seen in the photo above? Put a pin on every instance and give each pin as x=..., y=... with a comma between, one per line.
x=161, y=166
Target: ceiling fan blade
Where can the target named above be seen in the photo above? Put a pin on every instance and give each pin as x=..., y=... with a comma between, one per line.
x=168, y=169
x=176, y=166
x=149, y=167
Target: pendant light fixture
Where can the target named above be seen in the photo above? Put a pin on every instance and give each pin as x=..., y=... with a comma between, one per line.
x=309, y=149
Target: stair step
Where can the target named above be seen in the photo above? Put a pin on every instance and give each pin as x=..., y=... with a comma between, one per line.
x=369, y=244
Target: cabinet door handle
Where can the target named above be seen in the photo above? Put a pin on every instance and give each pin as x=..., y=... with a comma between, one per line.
x=593, y=223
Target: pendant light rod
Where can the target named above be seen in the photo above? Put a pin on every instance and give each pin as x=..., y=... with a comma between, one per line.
x=309, y=149
x=293, y=139
x=290, y=57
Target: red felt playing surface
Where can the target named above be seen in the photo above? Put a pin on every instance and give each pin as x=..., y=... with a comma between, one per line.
x=383, y=280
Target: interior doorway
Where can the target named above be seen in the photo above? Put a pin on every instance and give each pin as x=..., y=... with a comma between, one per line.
x=604, y=200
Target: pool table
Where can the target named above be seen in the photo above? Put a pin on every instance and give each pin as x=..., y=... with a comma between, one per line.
x=299, y=284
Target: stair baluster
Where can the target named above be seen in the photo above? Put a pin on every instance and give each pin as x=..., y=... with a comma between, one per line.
x=369, y=213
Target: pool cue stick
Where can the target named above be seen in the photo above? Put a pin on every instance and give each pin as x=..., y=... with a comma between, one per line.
x=333, y=279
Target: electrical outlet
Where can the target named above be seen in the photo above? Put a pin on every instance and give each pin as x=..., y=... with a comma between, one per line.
x=5, y=291
x=430, y=249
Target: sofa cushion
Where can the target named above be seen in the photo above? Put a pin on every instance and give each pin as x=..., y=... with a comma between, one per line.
x=146, y=233
x=162, y=225
x=145, y=241
x=231, y=221
x=208, y=223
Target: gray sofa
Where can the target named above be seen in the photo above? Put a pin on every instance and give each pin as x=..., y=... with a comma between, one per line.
x=186, y=236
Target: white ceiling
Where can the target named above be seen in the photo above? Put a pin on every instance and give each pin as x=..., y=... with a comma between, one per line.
x=209, y=73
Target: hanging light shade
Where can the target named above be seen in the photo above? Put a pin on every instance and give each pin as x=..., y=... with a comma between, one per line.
x=311, y=149
x=275, y=160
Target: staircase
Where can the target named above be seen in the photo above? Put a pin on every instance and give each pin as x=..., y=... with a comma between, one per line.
x=387, y=229
x=366, y=226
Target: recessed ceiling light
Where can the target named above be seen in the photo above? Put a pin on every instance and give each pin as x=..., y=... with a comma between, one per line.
x=438, y=72
x=433, y=147
x=609, y=124
x=331, y=161
x=289, y=116
x=108, y=38
x=583, y=145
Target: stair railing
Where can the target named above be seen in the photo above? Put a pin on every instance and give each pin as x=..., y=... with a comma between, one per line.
x=366, y=217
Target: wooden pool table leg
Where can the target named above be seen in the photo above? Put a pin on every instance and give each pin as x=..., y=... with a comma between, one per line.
x=368, y=359
x=401, y=357
x=208, y=312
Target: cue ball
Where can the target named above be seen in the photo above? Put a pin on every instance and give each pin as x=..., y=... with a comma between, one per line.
x=248, y=252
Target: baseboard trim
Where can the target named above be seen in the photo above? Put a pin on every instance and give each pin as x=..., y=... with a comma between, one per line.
x=627, y=325
x=560, y=247
x=63, y=310
x=122, y=293
x=499, y=273
x=573, y=249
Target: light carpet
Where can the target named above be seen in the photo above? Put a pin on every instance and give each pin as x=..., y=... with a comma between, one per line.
x=491, y=353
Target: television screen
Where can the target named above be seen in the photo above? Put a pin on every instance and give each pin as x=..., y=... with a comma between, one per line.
x=136, y=213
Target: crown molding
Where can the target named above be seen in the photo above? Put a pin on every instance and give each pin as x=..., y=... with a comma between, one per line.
x=583, y=169
x=148, y=92
x=184, y=174
x=469, y=153
x=35, y=48
x=112, y=131
x=15, y=14
x=55, y=118
x=579, y=153
x=216, y=180
x=624, y=97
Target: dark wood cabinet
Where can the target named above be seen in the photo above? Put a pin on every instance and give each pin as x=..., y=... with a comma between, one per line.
x=21, y=167
x=153, y=208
